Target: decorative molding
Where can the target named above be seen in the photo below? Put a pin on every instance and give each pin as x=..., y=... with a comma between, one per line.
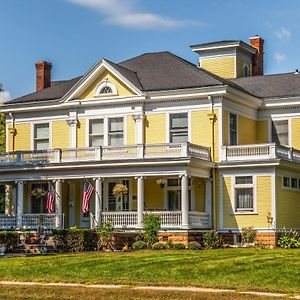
x=138, y=117
x=72, y=121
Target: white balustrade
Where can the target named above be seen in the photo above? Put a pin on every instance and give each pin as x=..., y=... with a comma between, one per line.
x=168, y=219
x=163, y=150
x=35, y=221
x=120, y=219
x=7, y=222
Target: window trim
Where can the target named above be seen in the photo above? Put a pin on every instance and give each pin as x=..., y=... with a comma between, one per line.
x=234, y=200
x=290, y=188
x=237, y=129
x=102, y=84
x=32, y=139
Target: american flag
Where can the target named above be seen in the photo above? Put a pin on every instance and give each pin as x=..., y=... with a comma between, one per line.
x=50, y=198
x=87, y=194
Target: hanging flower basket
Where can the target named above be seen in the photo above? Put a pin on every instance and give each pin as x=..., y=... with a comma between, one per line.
x=161, y=181
x=120, y=189
x=39, y=192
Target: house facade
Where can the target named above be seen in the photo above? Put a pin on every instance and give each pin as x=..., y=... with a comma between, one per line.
x=212, y=146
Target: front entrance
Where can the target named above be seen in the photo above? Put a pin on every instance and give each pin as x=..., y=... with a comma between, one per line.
x=119, y=203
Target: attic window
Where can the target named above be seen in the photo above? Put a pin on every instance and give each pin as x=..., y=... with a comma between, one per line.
x=106, y=88
x=246, y=70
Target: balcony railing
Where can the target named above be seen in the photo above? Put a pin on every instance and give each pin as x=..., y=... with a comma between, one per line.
x=259, y=152
x=140, y=151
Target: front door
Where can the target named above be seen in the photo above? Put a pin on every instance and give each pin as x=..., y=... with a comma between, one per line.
x=119, y=203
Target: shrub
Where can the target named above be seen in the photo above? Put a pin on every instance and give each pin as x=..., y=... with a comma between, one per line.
x=60, y=239
x=179, y=246
x=248, y=235
x=106, y=237
x=169, y=244
x=158, y=246
x=10, y=240
x=211, y=240
x=139, y=245
x=289, y=239
x=194, y=246
x=151, y=228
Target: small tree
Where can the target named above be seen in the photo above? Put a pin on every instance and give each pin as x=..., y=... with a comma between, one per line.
x=151, y=229
x=106, y=237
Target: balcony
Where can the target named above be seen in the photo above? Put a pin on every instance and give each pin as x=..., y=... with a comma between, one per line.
x=140, y=151
x=259, y=152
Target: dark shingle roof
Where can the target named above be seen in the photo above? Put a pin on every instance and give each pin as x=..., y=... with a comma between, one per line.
x=271, y=86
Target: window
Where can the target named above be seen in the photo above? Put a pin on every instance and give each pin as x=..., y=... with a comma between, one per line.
x=280, y=132
x=291, y=183
x=115, y=131
x=179, y=128
x=294, y=183
x=41, y=136
x=38, y=200
x=244, y=194
x=96, y=133
x=106, y=90
x=246, y=70
x=286, y=182
x=232, y=129
x=106, y=87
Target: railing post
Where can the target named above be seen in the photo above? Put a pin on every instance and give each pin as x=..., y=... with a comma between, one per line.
x=19, y=157
x=140, y=151
x=98, y=153
x=184, y=150
x=224, y=153
x=272, y=151
x=291, y=153
x=58, y=155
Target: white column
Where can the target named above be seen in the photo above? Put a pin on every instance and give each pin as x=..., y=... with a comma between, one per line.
x=208, y=201
x=20, y=198
x=139, y=128
x=58, y=203
x=140, y=201
x=185, y=201
x=98, y=200
x=7, y=198
x=71, y=203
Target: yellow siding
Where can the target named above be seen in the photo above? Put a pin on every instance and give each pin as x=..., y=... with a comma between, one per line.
x=225, y=129
x=240, y=67
x=22, y=138
x=262, y=132
x=221, y=66
x=288, y=206
x=296, y=133
x=122, y=89
x=201, y=130
x=199, y=185
x=155, y=128
x=246, y=131
x=130, y=130
x=263, y=198
x=154, y=195
x=60, y=134
x=81, y=133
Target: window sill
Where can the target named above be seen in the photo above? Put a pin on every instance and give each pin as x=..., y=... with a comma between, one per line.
x=245, y=213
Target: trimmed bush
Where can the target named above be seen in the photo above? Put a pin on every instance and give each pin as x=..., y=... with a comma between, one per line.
x=10, y=240
x=106, y=239
x=194, y=246
x=248, y=235
x=169, y=245
x=150, y=229
x=211, y=240
x=158, y=246
x=289, y=239
x=139, y=245
x=179, y=246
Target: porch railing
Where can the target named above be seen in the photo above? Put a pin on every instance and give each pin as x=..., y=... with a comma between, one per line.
x=7, y=222
x=259, y=152
x=139, y=151
x=35, y=221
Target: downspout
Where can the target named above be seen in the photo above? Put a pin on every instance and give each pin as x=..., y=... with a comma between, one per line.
x=12, y=131
x=212, y=117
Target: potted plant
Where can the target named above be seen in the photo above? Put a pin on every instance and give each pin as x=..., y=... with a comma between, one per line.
x=161, y=181
x=38, y=192
x=120, y=189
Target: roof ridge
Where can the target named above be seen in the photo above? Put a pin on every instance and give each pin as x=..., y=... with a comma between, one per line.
x=265, y=75
x=143, y=54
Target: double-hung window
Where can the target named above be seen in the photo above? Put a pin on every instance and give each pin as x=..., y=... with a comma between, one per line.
x=280, y=132
x=115, y=131
x=41, y=136
x=244, y=194
x=232, y=129
x=96, y=133
x=178, y=128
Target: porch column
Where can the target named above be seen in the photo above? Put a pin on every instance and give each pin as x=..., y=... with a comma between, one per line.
x=58, y=203
x=20, y=197
x=185, y=201
x=208, y=201
x=98, y=200
x=7, y=199
x=140, y=201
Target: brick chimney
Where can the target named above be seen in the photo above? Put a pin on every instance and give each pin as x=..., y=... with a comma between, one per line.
x=43, y=75
x=258, y=58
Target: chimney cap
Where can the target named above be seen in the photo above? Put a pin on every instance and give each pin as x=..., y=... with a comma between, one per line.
x=43, y=62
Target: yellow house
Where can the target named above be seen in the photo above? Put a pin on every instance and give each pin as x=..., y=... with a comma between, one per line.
x=206, y=147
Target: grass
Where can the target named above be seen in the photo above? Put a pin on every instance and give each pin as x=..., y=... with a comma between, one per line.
x=275, y=270
x=36, y=293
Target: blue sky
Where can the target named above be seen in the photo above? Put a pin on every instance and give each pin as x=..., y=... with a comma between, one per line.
x=74, y=34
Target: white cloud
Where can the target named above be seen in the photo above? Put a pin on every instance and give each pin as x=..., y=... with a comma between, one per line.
x=125, y=13
x=279, y=57
x=283, y=34
x=5, y=96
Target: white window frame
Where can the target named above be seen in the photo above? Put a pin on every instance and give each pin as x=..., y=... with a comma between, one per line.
x=237, y=129
x=233, y=193
x=290, y=188
x=103, y=84
x=168, y=124
x=32, y=133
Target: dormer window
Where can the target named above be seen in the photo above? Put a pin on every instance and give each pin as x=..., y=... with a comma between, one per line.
x=246, y=70
x=106, y=88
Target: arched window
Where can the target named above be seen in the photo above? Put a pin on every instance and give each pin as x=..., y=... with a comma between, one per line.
x=106, y=87
x=246, y=70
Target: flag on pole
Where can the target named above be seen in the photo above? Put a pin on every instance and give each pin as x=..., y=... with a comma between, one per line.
x=87, y=194
x=50, y=198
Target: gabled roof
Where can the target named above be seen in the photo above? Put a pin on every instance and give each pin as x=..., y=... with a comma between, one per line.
x=271, y=86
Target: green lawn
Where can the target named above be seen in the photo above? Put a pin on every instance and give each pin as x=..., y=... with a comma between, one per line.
x=242, y=269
